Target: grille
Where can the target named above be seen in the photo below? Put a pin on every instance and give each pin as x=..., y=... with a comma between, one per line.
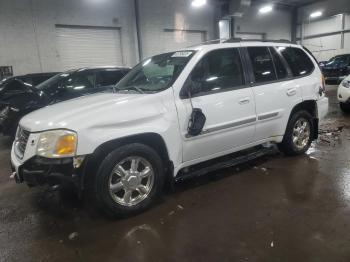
x=21, y=142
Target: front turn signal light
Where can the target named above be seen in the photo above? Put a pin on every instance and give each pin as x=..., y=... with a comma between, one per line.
x=66, y=145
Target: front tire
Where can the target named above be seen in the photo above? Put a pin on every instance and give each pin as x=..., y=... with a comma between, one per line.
x=129, y=180
x=345, y=108
x=299, y=133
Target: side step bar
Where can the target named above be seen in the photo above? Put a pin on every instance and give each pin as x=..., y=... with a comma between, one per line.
x=223, y=162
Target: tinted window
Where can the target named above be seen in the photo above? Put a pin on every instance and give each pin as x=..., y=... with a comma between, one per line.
x=298, y=61
x=36, y=80
x=218, y=70
x=15, y=85
x=262, y=64
x=27, y=80
x=281, y=70
x=78, y=84
x=109, y=77
x=83, y=80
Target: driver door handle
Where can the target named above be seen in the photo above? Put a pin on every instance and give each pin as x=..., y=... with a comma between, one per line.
x=291, y=92
x=244, y=101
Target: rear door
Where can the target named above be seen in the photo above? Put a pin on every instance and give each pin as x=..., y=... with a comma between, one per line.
x=274, y=90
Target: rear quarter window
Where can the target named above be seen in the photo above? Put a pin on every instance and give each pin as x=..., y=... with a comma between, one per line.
x=298, y=61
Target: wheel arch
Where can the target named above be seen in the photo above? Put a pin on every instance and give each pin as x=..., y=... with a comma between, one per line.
x=311, y=107
x=150, y=139
x=307, y=105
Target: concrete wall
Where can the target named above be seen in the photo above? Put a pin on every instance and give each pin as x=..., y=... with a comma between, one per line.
x=322, y=35
x=328, y=7
x=28, y=37
x=27, y=29
x=157, y=15
x=276, y=24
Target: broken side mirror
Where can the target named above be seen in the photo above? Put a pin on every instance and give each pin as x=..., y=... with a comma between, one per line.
x=196, y=123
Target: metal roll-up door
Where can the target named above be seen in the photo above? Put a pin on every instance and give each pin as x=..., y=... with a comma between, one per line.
x=88, y=46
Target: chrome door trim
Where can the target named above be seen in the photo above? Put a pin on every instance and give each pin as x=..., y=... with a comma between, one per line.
x=226, y=126
x=267, y=116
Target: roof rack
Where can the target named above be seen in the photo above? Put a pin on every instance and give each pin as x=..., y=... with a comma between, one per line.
x=238, y=40
x=234, y=40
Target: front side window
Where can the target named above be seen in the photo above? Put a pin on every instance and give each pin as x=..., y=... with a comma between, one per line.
x=109, y=77
x=50, y=85
x=156, y=73
x=78, y=84
x=69, y=83
x=219, y=70
x=262, y=64
x=298, y=60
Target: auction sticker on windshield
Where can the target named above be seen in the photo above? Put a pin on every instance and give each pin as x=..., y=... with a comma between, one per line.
x=182, y=54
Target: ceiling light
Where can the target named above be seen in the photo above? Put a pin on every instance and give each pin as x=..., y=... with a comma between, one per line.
x=265, y=9
x=198, y=3
x=316, y=14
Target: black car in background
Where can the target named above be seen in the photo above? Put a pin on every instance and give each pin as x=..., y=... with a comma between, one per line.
x=19, y=83
x=337, y=68
x=61, y=87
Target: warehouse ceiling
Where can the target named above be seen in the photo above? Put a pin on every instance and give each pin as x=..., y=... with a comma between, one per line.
x=291, y=3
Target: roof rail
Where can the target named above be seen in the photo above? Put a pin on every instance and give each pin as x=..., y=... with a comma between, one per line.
x=234, y=40
x=238, y=40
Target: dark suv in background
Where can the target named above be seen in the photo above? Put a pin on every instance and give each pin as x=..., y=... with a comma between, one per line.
x=61, y=87
x=336, y=68
x=19, y=83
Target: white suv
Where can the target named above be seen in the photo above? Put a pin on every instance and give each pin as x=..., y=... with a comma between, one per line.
x=344, y=95
x=171, y=114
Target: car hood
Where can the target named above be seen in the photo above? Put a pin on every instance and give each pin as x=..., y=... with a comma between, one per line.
x=94, y=111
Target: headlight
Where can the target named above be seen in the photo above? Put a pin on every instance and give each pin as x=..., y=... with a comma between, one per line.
x=57, y=144
x=345, y=83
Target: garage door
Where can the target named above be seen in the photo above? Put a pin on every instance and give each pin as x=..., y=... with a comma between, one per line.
x=171, y=40
x=83, y=47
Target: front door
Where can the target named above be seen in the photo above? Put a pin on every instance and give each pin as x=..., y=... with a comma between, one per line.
x=219, y=90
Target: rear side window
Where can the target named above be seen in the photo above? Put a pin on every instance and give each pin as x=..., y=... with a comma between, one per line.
x=39, y=79
x=219, y=70
x=262, y=64
x=281, y=70
x=298, y=60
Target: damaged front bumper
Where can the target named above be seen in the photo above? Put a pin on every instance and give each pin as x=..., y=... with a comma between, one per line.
x=38, y=171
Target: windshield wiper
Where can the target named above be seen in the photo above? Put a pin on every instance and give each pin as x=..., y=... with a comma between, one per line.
x=137, y=89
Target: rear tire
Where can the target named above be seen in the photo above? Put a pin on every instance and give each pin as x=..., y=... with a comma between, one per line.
x=298, y=136
x=345, y=108
x=129, y=180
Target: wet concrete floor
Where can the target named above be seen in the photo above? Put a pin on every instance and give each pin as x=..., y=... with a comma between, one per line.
x=273, y=209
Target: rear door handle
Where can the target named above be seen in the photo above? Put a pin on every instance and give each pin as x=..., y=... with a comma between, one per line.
x=244, y=101
x=291, y=92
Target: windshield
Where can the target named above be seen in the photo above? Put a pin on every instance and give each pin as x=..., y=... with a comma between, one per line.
x=51, y=84
x=156, y=73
